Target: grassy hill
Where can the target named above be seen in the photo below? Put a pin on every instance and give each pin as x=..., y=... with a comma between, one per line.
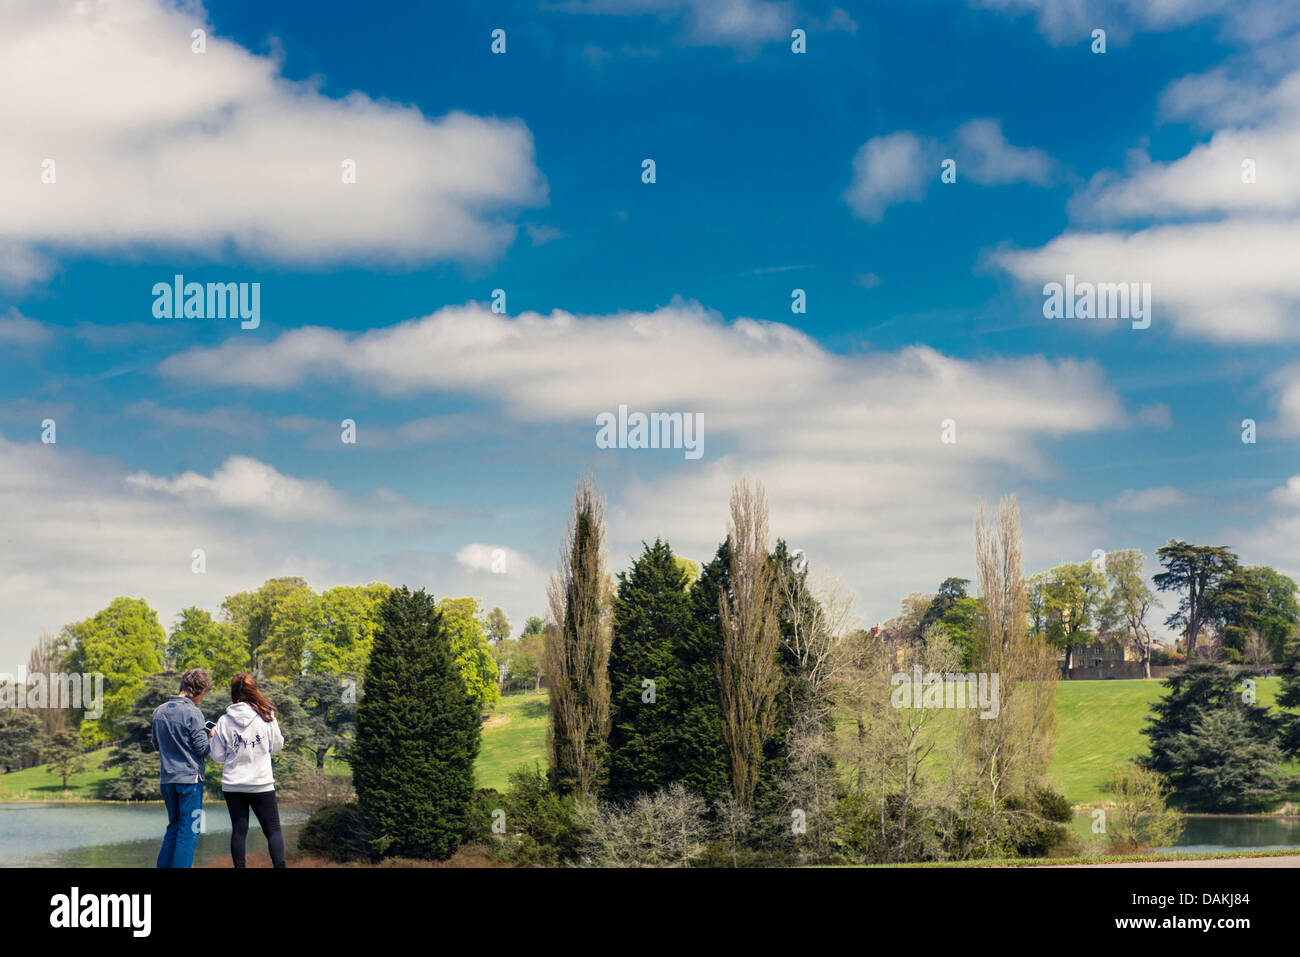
x=514, y=737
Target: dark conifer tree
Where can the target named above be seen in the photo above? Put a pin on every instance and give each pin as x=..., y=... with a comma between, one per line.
x=417, y=734
x=651, y=615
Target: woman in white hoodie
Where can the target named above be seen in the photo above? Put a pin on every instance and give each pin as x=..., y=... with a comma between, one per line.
x=243, y=741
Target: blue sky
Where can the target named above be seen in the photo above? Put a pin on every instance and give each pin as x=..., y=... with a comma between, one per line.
x=775, y=171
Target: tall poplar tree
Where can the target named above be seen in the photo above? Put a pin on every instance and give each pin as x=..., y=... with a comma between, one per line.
x=577, y=653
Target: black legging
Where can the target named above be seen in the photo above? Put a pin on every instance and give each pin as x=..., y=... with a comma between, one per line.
x=268, y=815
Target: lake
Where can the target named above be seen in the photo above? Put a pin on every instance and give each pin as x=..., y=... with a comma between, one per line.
x=52, y=834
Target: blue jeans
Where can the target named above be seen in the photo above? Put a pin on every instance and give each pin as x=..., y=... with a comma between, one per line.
x=182, y=801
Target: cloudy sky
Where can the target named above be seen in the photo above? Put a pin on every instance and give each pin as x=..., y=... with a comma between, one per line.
x=127, y=157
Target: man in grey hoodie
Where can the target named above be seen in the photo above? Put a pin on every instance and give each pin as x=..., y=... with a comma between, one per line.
x=183, y=743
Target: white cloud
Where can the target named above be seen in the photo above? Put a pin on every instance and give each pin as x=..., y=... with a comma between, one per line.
x=1066, y=22
x=984, y=155
x=848, y=445
x=497, y=560
x=1228, y=281
x=17, y=330
x=244, y=484
x=887, y=170
x=897, y=167
x=1149, y=499
x=194, y=151
x=78, y=533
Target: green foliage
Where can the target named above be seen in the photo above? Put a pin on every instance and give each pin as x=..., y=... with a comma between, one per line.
x=1217, y=750
x=340, y=624
x=21, y=737
x=124, y=643
x=1039, y=818
x=266, y=618
x=541, y=825
x=498, y=626
x=326, y=716
x=1141, y=816
x=651, y=613
x=1194, y=572
x=197, y=641
x=417, y=733
x=1254, y=598
x=701, y=763
x=957, y=613
x=339, y=833
x=470, y=648
x=65, y=756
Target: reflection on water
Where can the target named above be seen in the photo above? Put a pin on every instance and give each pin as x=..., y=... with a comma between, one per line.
x=48, y=834
x=1211, y=834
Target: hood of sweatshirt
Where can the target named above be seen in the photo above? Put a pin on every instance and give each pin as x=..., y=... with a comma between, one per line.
x=242, y=714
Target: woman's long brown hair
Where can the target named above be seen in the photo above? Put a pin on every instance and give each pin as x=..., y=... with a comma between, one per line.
x=243, y=687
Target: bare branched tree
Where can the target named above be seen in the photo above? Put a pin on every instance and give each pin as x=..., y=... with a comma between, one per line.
x=577, y=652
x=1008, y=752
x=748, y=672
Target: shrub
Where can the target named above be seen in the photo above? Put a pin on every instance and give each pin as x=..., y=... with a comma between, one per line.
x=668, y=828
x=337, y=832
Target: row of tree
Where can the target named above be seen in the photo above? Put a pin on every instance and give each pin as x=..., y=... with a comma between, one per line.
x=1225, y=611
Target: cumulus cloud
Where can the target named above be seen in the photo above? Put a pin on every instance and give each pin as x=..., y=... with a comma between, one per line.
x=244, y=484
x=887, y=170
x=1220, y=226
x=849, y=446
x=204, y=151
x=897, y=167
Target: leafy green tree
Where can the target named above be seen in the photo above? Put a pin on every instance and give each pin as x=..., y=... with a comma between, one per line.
x=197, y=641
x=1063, y=604
x=469, y=645
x=124, y=643
x=533, y=626
x=65, y=756
x=1141, y=817
x=328, y=717
x=1125, y=608
x=690, y=569
x=498, y=626
x=956, y=613
x=1254, y=598
x=1194, y=573
x=21, y=737
x=417, y=734
x=340, y=625
x=650, y=612
x=1214, y=744
x=257, y=615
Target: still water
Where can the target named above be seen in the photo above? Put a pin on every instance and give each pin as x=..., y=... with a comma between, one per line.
x=1214, y=834
x=50, y=834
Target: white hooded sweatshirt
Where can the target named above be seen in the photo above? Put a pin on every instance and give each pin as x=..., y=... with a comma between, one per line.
x=244, y=743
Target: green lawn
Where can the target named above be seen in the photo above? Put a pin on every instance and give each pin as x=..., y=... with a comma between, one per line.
x=36, y=784
x=1101, y=724
x=514, y=737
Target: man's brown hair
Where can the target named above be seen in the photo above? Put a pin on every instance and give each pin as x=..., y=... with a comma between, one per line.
x=196, y=682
